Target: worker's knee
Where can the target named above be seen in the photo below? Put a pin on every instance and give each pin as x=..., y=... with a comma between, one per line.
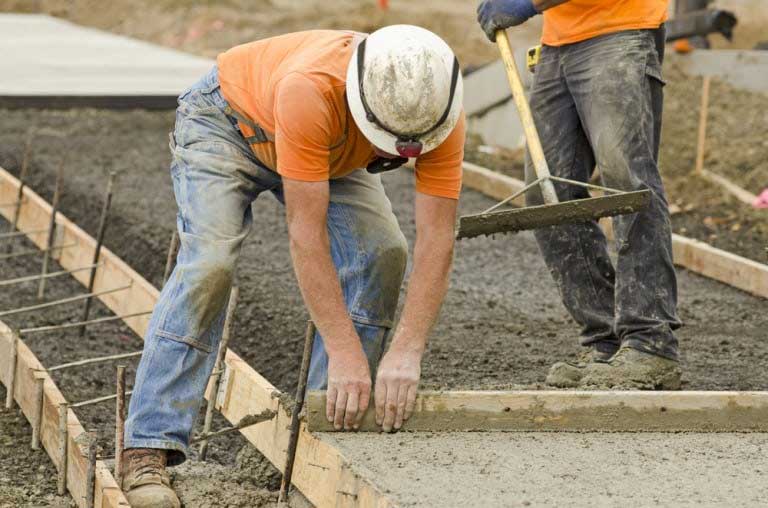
x=374, y=286
x=191, y=305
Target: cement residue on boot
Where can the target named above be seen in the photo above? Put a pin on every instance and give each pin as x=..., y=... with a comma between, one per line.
x=633, y=370
x=569, y=374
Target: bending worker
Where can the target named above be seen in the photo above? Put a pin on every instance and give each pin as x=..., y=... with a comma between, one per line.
x=311, y=117
x=596, y=100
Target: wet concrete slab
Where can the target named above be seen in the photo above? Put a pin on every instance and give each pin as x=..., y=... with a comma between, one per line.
x=556, y=469
x=48, y=62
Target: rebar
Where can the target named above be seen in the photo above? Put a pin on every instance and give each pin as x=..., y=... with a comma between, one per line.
x=63, y=301
x=99, y=242
x=119, y=424
x=90, y=361
x=81, y=323
x=97, y=400
x=36, y=251
x=245, y=421
x=215, y=380
x=31, y=278
x=14, y=234
x=51, y=230
x=173, y=249
x=301, y=389
x=22, y=183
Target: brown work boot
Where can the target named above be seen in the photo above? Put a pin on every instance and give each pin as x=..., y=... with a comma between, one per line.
x=569, y=374
x=145, y=481
x=631, y=369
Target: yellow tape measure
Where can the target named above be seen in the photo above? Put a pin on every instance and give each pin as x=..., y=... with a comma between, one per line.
x=532, y=57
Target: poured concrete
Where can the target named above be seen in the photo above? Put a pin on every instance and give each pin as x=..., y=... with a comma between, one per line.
x=534, y=469
x=48, y=62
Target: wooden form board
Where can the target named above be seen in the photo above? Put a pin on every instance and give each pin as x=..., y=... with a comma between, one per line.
x=572, y=411
x=694, y=255
x=107, y=493
x=321, y=472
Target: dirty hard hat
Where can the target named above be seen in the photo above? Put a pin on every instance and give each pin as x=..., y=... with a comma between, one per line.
x=404, y=90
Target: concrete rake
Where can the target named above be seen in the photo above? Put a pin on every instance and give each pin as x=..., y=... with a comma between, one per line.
x=552, y=212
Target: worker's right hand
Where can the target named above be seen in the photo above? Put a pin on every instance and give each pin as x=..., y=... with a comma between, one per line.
x=349, y=388
x=495, y=15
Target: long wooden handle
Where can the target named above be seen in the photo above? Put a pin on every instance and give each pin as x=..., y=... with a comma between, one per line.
x=531, y=134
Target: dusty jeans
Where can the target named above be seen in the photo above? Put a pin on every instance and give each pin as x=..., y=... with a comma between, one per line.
x=598, y=103
x=215, y=180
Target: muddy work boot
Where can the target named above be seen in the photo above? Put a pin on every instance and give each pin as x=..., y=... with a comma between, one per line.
x=145, y=482
x=633, y=370
x=569, y=374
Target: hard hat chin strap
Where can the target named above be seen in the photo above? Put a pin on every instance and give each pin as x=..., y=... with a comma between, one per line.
x=407, y=145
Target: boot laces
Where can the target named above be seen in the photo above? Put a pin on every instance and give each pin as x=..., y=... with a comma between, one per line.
x=147, y=463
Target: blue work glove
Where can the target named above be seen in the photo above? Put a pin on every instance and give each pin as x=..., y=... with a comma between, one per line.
x=496, y=15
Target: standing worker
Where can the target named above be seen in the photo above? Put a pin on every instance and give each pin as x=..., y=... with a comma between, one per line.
x=596, y=100
x=302, y=116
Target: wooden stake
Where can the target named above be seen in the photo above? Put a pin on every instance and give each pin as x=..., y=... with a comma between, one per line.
x=51, y=230
x=120, y=424
x=703, y=110
x=39, y=401
x=63, y=443
x=173, y=249
x=11, y=385
x=218, y=369
x=90, y=475
x=99, y=243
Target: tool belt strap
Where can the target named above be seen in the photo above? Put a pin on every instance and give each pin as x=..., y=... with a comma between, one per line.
x=259, y=134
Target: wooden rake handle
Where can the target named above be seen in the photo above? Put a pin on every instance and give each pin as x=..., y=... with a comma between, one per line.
x=531, y=134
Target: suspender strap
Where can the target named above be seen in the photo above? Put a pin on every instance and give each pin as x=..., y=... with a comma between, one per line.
x=259, y=134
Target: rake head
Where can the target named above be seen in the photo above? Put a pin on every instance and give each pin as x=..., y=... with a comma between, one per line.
x=566, y=212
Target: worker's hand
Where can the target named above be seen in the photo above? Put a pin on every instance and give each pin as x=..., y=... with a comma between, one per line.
x=349, y=388
x=494, y=15
x=396, y=385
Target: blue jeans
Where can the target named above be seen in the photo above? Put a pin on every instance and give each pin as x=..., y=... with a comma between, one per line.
x=215, y=179
x=598, y=103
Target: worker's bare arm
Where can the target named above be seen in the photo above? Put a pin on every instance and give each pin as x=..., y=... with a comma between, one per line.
x=349, y=379
x=400, y=369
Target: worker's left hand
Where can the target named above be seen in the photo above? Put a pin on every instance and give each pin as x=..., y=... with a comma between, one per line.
x=494, y=15
x=396, y=384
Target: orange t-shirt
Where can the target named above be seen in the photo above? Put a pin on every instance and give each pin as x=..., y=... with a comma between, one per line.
x=293, y=86
x=578, y=20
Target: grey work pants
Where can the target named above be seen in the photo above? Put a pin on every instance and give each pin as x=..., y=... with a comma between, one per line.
x=598, y=103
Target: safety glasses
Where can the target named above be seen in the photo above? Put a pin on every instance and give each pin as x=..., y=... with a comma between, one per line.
x=407, y=145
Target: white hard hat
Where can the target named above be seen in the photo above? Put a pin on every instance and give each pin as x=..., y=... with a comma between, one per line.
x=411, y=92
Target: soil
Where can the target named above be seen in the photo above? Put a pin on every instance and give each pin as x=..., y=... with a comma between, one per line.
x=580, y=470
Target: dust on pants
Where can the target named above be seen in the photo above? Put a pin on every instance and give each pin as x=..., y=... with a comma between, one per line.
x=598, y=103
